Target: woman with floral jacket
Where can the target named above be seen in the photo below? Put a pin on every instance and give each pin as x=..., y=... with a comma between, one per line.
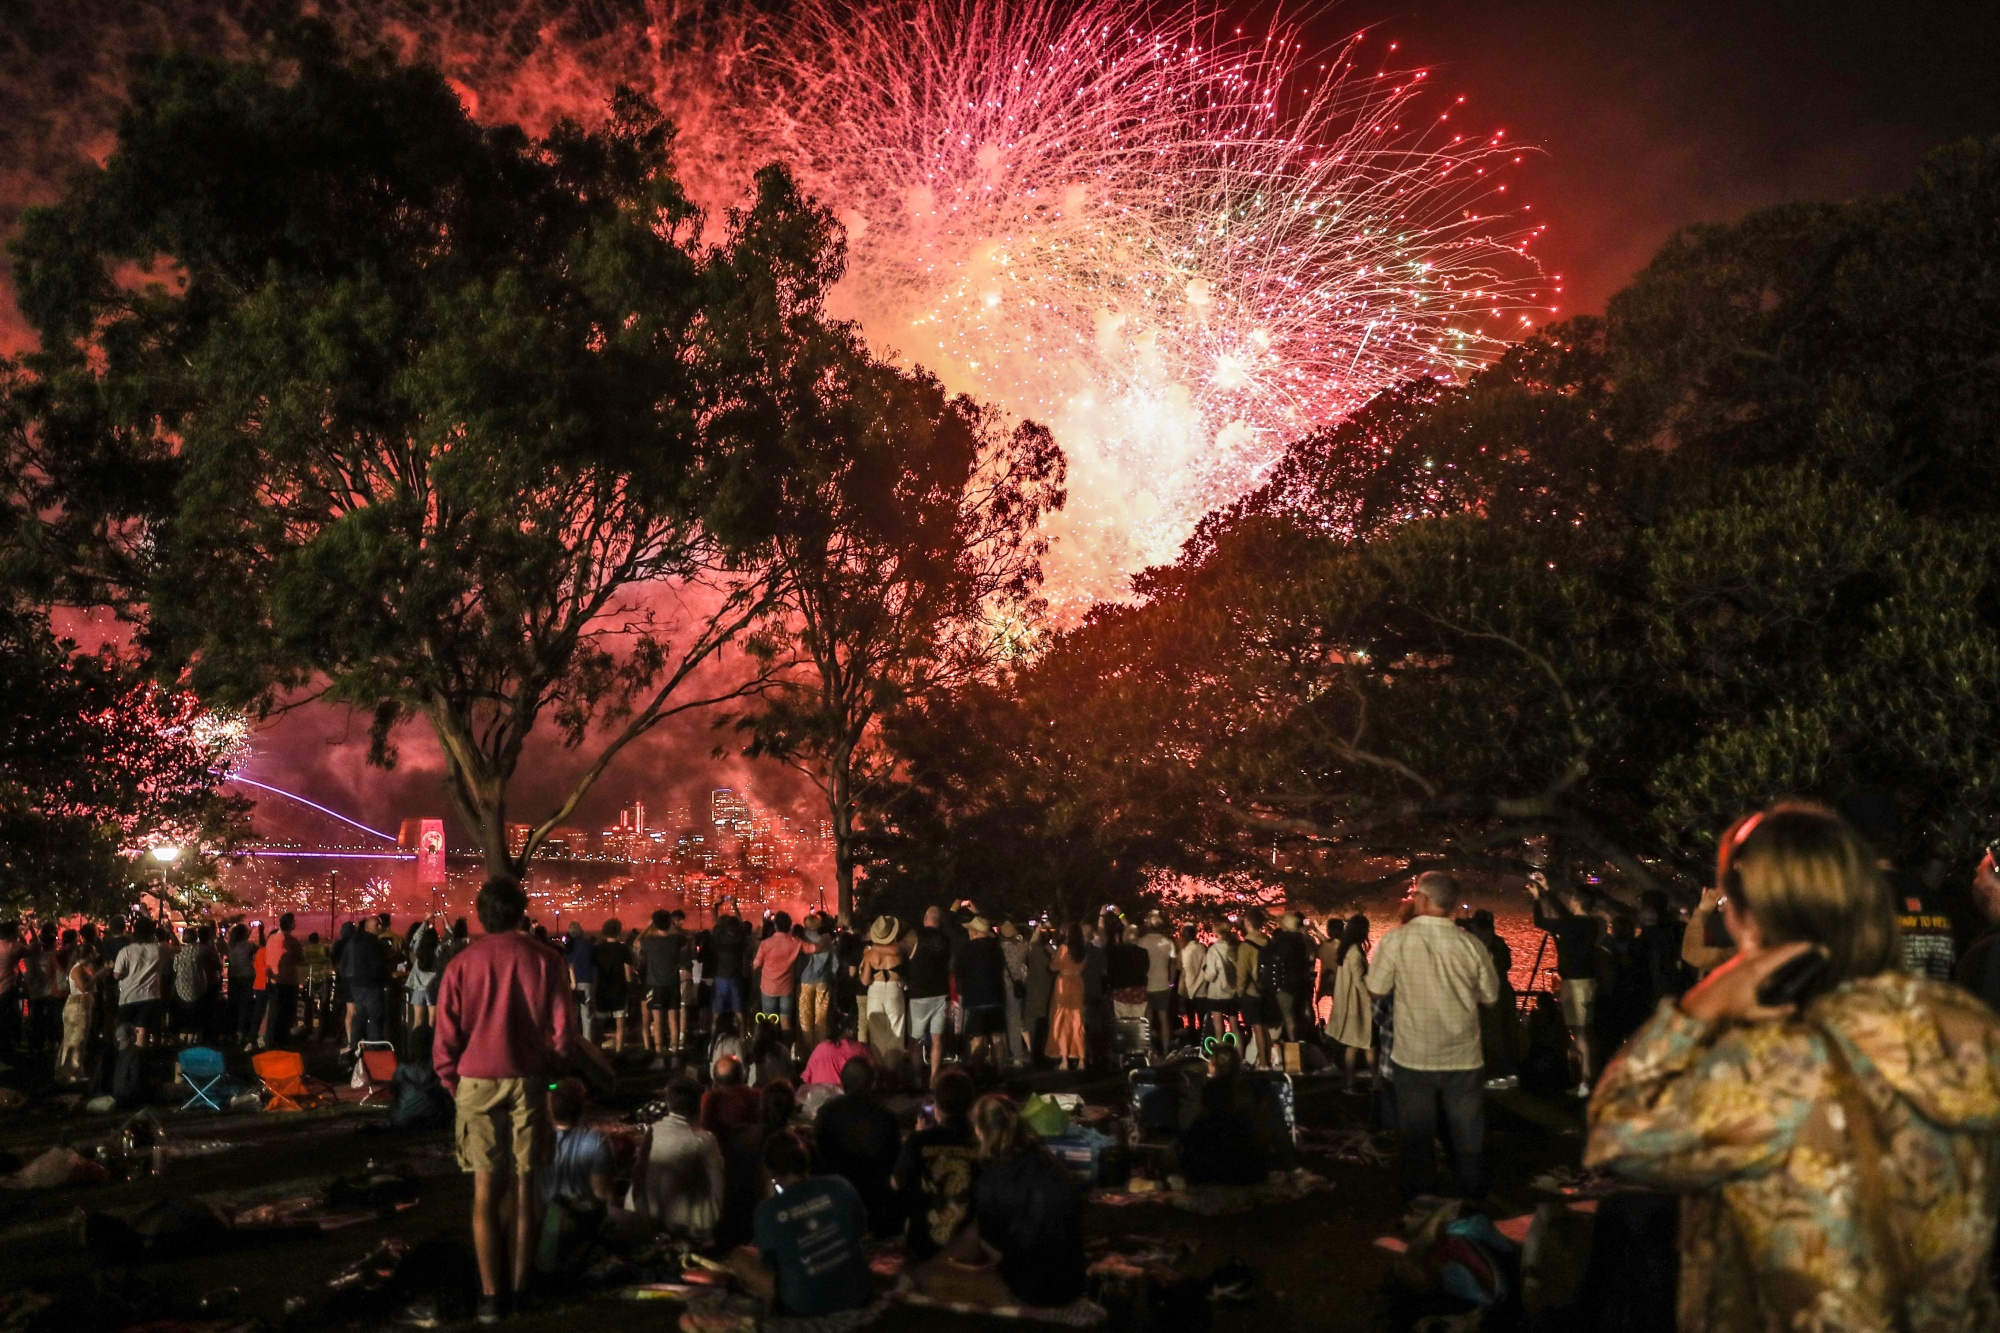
x=1837, y=1156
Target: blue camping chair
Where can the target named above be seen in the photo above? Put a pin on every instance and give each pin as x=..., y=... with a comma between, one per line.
x=207, y=1074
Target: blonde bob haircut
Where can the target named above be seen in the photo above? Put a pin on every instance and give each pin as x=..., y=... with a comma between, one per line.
x=1805, y=875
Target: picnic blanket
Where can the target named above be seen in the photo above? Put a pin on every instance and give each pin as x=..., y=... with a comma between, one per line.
x=732, y=1312
x=1080, y=1313
x=1223, y=1200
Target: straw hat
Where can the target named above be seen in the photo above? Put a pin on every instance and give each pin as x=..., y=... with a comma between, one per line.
x=885, y=930
x=1009, y=931
x=978, y=926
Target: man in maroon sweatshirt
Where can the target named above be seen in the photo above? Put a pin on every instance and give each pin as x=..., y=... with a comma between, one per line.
x=505, y=1019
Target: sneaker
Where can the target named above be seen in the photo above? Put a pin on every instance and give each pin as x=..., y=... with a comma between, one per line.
x=1580, y=1090
x=488, y=1311
x=1505, y=1083
x=423, y=1314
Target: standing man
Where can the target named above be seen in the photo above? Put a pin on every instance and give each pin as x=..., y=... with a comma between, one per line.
x=365, y=972
x=1162, y=964
x=1576, y=936
x=1256, y=1009
x=1439, y=975
x=282, y=955
x=981, y=973
x=580, y=949
x=141, y=971
x=1014, y=949
x=728, y=950
x=660, y=950
x=929, y=977
x=816, y=978
x=12, y=952
x=1285, y=967
x=505, y=1016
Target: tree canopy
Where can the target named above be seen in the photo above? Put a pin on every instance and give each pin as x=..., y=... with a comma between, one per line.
x=1728, y=543
x=369, y=402
x=900, y=521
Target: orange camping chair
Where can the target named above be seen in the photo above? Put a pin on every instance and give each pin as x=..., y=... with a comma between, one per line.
x=377, y=1067
x=287, y=1086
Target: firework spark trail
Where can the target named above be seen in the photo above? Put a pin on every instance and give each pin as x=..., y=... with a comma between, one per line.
x=1179, y=244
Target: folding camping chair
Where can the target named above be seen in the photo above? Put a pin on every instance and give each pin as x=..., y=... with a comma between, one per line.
x=286, y=1083
x=375, y=1072
x=207, y=1076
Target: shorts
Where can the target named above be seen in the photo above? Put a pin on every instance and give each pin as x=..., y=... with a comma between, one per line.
x=1579, y=1003
x=784, y=1005
x=503, y=1124
x=728, y=995
x=1159, y=999
x=610, y=1002
x=985, y=1020
x=141, y=1014
x=1288, y=1008
x=1251, y=1009
x=929, y=1017
x=666, y=999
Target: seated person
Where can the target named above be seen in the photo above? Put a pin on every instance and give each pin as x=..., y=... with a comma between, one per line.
x=809, y=1256
x=770, y=1056
x=677, y=1183
x=1221, y=1145
x=730, y=1104
x=576, y=1185
x=1025, y=1246
x=120, y=1083
x=419, y=1102
x=934, y=1174
x=823, y=1066
x=859, y=1141
x=733, y=1112
x=728, y=1042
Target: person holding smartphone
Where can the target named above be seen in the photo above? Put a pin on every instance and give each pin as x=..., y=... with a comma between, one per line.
x=1830, y=1119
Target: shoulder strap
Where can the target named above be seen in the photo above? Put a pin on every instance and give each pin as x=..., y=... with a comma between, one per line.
x=1872, y=1198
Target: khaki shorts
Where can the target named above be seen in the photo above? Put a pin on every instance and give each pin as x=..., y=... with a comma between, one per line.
x=1579, y=1003
x=503, y=1124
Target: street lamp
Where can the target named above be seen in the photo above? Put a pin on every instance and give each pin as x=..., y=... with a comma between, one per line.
x=166, y=853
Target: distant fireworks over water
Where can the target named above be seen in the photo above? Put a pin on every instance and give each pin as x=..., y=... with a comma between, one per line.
x=1178, y=243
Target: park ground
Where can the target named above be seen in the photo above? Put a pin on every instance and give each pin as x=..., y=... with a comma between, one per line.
x=1315, y=1262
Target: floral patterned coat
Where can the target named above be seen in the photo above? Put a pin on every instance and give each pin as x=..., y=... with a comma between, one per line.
x=1745, y=1121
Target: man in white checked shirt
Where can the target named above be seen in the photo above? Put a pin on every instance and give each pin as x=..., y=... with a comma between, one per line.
x=1440, y=976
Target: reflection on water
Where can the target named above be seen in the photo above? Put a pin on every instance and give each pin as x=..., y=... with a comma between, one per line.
x=322, y=891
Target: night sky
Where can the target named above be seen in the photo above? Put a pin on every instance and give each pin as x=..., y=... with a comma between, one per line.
x=1653, y=115
x=1647, y=117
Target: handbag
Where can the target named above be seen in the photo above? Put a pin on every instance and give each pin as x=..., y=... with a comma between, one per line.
x=1872, y=1198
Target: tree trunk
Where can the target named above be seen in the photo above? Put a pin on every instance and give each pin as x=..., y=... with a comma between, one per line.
x=843, y=834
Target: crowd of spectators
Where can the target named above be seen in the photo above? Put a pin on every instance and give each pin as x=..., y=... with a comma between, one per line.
x=1717, y=1064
